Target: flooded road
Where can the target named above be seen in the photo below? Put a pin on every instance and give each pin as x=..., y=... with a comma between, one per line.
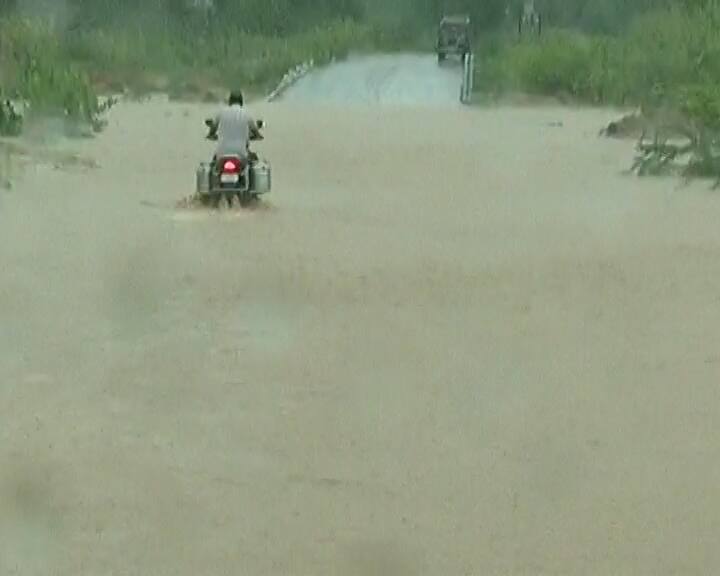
x=452, y=343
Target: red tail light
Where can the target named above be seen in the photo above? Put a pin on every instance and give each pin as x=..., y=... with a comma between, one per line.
x=230, y=166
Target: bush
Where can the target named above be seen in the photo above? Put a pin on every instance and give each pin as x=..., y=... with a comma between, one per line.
x=36, y=70
x=661, y=53
x=559, y=64
x=164, y=45
x=666, y=61
x=59, y=72
x=135, y=55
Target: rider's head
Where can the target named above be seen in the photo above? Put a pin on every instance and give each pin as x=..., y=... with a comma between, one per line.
x=236, y=98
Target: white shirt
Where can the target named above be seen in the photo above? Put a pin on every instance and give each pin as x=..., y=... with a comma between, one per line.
x=234, y=125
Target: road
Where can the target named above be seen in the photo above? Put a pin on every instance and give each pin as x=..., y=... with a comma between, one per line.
x=460, y=342
x=385, y=80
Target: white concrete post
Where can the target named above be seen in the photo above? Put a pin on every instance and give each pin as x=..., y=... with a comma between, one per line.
x=467, y=79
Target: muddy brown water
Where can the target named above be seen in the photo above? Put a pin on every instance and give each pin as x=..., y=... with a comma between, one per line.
x=454, y=341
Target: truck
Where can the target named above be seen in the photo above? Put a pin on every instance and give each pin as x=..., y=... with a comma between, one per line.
x=453, y=37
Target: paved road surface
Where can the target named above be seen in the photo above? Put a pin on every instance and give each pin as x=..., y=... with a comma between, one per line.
x=407, y=79
x=460, y=343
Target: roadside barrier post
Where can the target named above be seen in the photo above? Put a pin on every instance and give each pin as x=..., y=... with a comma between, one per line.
x=466, y=89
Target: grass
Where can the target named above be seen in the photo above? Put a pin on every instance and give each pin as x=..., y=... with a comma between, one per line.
x=667, y=60
x=659, y=56
x=62, y=73
x=36, y=69
x=188, y=60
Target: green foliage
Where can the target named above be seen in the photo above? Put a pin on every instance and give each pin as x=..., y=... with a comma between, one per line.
x=701, y=105
x=36, y=69
x=666, y=59
x=164, y=44
x=598, y=17
x=11, y=122
x=661, y=54
x=560, y=63
x=646, y=52
x=139, y=55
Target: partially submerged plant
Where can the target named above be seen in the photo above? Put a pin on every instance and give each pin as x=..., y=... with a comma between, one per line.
x=686, y=141
x=11, y=121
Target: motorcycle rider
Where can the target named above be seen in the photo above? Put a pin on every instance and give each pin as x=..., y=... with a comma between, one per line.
x=233, y=128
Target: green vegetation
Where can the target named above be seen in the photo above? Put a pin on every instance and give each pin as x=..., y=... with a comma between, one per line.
x=653, y=54
x=657, y=58
x=194, y=62
x=167, y=44
x=34, y=67
x=57, y=54
x=665, y=61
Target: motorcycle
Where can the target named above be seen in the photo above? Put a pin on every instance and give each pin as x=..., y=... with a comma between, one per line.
x=244, y=177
